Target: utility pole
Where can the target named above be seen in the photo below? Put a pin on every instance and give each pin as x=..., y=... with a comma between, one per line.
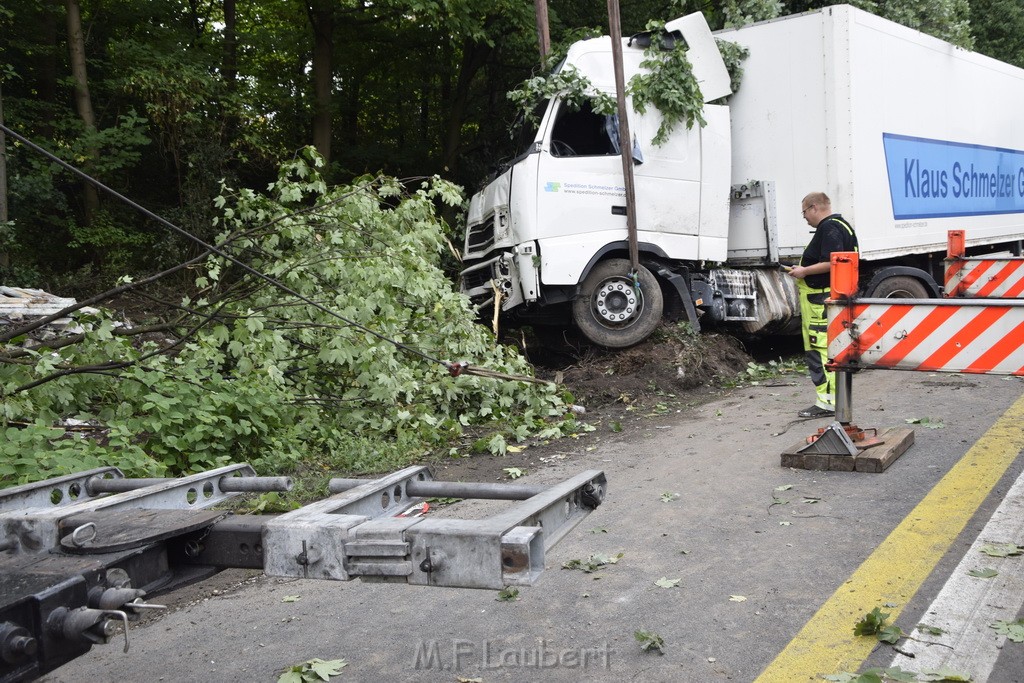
x=625, y=139
x=543, y=33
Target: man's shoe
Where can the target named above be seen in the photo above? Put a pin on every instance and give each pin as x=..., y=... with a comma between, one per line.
x=815, y=411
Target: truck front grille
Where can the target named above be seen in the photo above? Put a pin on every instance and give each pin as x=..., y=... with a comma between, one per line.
x=475, y=278
x=481, y=237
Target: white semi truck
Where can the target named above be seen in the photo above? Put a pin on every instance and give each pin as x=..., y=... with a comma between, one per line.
x=909, y=136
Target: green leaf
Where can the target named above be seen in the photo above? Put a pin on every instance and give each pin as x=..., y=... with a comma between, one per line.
x=593, y=563
x=667, y=583
x=890, y=634
x=944, y=674
x=926, y=422
x=325, y=669
x=508, y=594
x=1002, y=549
x=1013, y=630
x=649, y=641
x=871, y=624
x=986, y=573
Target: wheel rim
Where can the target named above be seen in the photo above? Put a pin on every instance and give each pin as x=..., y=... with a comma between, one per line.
x=617, y=303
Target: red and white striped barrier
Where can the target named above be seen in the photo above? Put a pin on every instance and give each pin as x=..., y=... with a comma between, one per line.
x=982, y=336
x=972, y=336
x=979, y=276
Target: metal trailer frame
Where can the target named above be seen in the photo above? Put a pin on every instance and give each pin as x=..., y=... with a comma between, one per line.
x=82, y=553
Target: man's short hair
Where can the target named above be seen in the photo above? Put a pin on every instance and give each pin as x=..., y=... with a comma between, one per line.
x=817, y=199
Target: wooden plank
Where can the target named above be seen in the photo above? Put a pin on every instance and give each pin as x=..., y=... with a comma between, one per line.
x=894, y=442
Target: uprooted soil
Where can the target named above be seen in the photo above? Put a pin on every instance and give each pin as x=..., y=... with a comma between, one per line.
x=620, y=392
x=669, y=362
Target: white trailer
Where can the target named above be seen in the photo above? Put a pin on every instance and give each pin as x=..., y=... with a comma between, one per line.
x=910, y=137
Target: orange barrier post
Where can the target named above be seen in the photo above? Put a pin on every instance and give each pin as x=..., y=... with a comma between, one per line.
x=956, y=244
x=845, y=272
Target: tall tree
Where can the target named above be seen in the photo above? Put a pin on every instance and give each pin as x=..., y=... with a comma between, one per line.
x=998, y=27
x=4, y=257
x=321, y=17
x=83, y=100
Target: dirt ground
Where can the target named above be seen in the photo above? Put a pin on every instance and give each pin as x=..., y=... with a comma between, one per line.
x=618, y=391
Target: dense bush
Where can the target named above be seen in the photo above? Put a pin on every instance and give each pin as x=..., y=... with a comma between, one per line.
x=249, y=372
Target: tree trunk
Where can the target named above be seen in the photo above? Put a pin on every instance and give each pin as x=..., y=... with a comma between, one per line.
x=83, y=102
x=5, y=259
x=46, y=63
x=230, y=70
x=321, y=16
x=474, y=58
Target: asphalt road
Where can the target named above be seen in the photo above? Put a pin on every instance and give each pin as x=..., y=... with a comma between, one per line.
x=760, y=568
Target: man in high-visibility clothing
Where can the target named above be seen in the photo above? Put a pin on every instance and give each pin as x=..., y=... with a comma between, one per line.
x=831, y=233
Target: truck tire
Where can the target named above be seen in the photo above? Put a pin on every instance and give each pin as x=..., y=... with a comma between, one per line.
x=899, y=287
x=610, y=312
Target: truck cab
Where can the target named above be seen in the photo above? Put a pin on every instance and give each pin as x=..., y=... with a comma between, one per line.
x=546, y=239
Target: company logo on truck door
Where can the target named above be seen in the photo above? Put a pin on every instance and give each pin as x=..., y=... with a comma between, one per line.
x=586, y=188
x=936, y=179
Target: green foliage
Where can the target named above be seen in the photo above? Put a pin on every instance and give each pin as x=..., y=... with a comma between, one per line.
x=593, y=563
x=1013, y=630
x=872, y=623
x=508, y=594
x=573, y=89
x=649, y=641
x=890, y=634
x=945, y=19
x=667, y=82
x=773, y=369
x=733, y=55
x=874, y=675
x=313, y=670
x=1002, y=549
x=668, y=85
x=256, y=375
x=986, y=573
x=930, y=423
x=738, y=13
x=997, y=27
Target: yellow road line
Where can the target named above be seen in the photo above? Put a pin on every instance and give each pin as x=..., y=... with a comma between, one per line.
x=900, y=564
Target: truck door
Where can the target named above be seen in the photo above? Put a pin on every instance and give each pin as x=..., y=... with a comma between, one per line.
x=580, y=177
x=668, y=182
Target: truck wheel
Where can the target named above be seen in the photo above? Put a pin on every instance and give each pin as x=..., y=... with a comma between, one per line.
x=899, y=287
x=610, y=312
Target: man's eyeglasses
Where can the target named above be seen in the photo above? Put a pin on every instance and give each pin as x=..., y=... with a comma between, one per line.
x=804, y=211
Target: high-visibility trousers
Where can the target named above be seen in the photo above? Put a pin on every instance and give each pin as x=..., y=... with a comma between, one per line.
x=814, y=326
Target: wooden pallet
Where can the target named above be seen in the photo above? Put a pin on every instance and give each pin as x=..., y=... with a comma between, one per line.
x=895, y=442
